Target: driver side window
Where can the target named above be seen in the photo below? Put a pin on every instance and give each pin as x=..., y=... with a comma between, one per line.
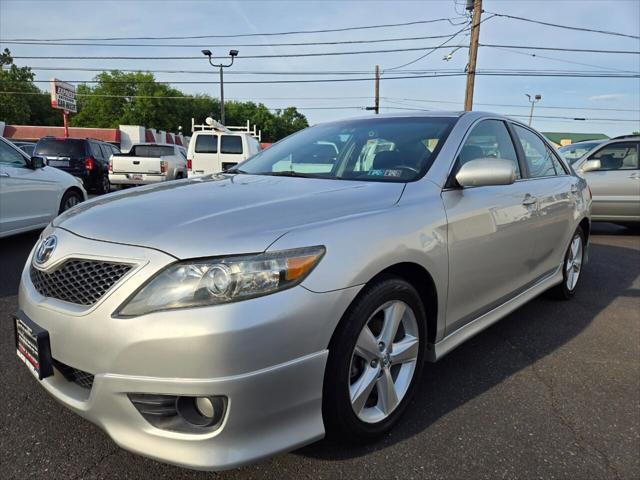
x=488, y=139
x=10, y=156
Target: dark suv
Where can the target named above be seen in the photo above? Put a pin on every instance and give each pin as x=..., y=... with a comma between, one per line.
x=87, y=159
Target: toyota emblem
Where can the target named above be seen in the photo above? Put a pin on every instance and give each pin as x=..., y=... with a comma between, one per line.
x=46, y=248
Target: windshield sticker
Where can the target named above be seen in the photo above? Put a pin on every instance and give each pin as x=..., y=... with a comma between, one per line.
x=384, y=173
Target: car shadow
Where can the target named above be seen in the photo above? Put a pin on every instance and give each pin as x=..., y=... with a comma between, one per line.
x=516, y=342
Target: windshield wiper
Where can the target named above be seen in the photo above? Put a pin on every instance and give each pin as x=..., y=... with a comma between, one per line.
x=235, y=170
x=289, y=173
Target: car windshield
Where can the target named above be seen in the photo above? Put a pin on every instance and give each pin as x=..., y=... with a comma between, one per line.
x=573, y=152
x=389, y=149
x=67, y=147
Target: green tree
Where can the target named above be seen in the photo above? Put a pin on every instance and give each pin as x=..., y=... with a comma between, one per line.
x=21, y=102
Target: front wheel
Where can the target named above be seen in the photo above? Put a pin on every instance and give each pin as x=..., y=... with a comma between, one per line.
x=375, y=361
x=70, y=199
x=571, y=267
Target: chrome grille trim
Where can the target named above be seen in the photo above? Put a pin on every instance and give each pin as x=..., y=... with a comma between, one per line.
x=79, y=281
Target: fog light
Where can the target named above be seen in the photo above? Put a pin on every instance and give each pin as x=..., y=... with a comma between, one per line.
x=201, y=411
x=205, y=407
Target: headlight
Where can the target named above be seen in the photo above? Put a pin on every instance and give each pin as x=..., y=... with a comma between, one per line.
x=214, y=281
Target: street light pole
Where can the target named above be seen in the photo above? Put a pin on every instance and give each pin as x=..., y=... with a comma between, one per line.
x=232, y=54
x=533, y=101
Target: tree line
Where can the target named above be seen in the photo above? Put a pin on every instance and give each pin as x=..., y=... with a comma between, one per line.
x=132, y=98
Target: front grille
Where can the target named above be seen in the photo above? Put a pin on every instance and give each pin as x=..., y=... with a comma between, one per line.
x=83, y=379
x=79, y=281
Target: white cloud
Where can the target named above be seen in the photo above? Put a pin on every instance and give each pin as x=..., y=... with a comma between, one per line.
x=607, y=97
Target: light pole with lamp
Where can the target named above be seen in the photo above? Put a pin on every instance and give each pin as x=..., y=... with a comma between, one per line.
x=232, y=54
x=533, y=101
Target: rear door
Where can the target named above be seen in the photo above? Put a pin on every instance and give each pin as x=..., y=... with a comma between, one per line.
x=616, y=185
x=231, y=151
x=205, y=154
x=490, y=231
x=555, y=193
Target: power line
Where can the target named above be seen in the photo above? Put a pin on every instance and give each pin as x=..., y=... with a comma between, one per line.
x=517, y=106
x=156, y=45
x=567, y=27
x=264, y=34
x=324, y=54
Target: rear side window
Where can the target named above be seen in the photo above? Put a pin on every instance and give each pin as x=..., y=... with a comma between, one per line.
x=489, y=139
x=539, y=159
x=60, y=147
x=106, y=150
x=618, y=156
x=207, y=144
x=154, y=151
x=95, y=150
x=231, y=144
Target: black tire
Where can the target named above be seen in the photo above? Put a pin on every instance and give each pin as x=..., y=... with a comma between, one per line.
x=68, y=200
x=341, y=422
x=103, y=186
x=562, y=291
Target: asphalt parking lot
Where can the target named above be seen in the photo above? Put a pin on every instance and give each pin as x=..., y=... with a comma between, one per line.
x=552, y=391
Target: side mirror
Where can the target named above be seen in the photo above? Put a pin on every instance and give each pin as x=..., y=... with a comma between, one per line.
x=590, y=166
x=486, y=171
x=37, y=162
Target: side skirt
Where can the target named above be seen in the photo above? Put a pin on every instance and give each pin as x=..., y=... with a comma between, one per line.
x=438, y=350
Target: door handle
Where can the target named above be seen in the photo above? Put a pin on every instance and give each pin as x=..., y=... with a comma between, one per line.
x=529, y=200
x=4, y=174
x=635, y=175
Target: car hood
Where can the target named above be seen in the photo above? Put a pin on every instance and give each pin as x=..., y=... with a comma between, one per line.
x=222, y=214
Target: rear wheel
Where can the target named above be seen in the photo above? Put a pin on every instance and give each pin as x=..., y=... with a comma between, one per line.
x=70, y=199
x=375, y=361
x=571, y=267
x=104, y=186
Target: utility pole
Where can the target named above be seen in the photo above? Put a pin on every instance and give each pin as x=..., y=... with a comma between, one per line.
x=376, y=92
x=476, y=6
x=533, y=101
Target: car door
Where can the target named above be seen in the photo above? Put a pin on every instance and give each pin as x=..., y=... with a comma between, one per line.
x=489, y=231
x=28, y=198
x=616, y=185
x=556, y=194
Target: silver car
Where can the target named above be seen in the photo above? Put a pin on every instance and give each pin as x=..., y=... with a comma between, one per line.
x=613, y=174
x=215, y=321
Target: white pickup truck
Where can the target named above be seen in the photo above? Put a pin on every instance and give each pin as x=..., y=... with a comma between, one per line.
x=148, y=163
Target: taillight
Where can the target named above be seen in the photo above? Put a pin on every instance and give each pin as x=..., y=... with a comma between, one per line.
x=188, y=164
x=88, y=163
x=110, y=166
x=163, y=166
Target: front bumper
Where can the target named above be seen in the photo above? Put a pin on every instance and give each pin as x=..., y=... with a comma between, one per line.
x=266, y=356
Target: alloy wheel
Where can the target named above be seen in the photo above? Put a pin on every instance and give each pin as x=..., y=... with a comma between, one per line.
x=574, y=262
x=384, y=361
x=71, y=201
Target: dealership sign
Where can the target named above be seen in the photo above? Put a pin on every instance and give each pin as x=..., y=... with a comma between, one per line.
x=63, y=96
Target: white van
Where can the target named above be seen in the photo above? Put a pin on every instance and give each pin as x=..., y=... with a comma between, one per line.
x=216, y=148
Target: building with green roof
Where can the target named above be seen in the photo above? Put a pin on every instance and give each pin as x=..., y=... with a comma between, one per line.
x=560, y=139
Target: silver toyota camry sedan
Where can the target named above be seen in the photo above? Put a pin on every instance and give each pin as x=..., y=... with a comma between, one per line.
x=215, y=321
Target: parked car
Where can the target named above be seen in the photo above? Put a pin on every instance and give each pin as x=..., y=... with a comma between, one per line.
x=31, y=194
x=220, y=320
x=148, y=163
x=86, y=159
x=613, y=174
x=26, y=147
x=213, y=151
x=575, y=151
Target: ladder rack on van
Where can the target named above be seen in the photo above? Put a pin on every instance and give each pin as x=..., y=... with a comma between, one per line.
x=217, y=126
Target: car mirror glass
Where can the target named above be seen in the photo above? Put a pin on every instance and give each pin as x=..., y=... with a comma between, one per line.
x=590, y=166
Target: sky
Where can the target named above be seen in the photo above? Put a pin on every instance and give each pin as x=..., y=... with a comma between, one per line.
x=602, y=101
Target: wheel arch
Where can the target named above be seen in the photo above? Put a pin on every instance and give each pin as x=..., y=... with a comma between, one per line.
x=420, y=278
